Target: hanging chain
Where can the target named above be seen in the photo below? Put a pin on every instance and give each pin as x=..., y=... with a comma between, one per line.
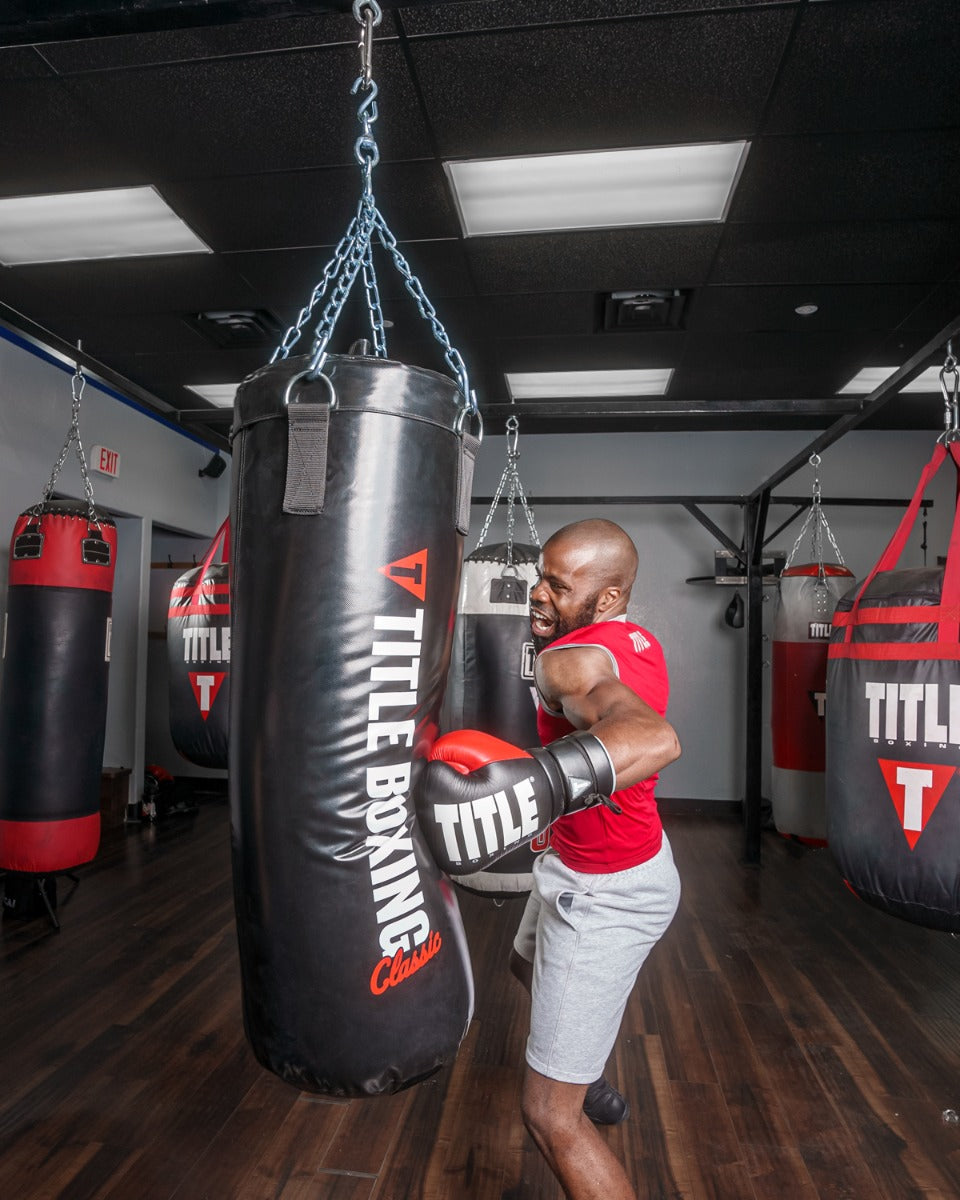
x=354, y=253
x=950, y=386
x=73, y=436
x=510, y=479
x=818, y=520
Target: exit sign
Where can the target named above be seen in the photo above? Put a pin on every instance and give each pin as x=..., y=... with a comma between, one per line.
x=106, y=461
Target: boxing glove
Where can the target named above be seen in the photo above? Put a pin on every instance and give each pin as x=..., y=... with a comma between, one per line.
x=479, y=797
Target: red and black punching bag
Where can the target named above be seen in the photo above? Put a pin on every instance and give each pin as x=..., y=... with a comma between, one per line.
x=351, y=493
x=198, y=652
x=53, y=697
x=893, y=730
x=491, y=684
x=801, y=634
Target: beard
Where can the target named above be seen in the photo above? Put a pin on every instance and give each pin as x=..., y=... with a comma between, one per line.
x=585, y=615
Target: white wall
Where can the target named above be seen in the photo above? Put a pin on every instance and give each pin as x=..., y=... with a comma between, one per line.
x=158, y=484
x=707, y=659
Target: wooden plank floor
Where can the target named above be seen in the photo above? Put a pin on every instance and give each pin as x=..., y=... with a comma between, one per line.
x=785, y=1042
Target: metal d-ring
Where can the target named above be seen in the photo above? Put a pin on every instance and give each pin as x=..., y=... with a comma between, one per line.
x=465, y=411
x=302, y=375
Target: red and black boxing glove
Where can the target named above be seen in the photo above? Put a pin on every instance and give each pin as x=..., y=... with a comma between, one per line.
x=479, y=797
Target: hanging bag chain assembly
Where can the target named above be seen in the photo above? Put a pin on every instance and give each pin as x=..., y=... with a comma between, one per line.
x=950, y=387
x=354, y=253
x=510, y=480
x=817, y=520
x=73, y=437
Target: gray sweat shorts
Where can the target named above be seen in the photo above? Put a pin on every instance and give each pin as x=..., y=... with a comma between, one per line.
x=587, y=937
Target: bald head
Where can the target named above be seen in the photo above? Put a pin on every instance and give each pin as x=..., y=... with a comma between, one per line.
x=600, y=550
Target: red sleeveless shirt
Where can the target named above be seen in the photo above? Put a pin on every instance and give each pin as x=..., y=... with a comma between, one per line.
x=597, y=840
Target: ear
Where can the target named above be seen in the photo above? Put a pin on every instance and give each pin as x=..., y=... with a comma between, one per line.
x=608, y=598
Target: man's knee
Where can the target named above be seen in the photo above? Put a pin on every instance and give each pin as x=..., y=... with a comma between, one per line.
x=550, y=1110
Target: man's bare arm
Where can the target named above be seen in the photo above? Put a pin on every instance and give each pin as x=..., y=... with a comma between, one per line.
x=580, y=682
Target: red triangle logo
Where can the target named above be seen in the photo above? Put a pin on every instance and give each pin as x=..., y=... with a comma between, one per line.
x=205, y=686
x=915, y=789
x=409, y=572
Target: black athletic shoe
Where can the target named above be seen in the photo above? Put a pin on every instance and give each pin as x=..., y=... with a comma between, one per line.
x=604, y=1105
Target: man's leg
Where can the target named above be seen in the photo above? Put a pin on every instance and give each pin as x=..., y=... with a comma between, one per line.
x=602, y=1103
x=574, y=1150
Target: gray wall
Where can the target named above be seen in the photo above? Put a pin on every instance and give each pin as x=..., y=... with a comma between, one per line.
x=707, y=659
x=158, y=484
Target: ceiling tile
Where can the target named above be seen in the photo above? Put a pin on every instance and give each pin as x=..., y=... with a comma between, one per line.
x=471, y=17
x=200, y=42
x=237, y=116
x=772, y=307
x=601, y=260
x=627, y=84
x=841, y=252
x=54, y=144
x=869, y=64
x=871, y=176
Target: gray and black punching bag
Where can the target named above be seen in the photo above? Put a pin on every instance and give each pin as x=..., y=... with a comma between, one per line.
x=893, y=730
x=801, y=633
x=491, y=686
x=198, y=654
x=53, y=699
x=350, y=497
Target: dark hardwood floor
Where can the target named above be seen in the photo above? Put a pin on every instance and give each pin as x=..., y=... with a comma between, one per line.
x=784, y=1042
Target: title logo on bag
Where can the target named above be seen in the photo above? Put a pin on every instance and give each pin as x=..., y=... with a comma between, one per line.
x=205, y=689
x=906, y=713
x=915, y=789
x=819, y=702
x=407, y=943
x=410, y=573
x=206, y=644
x=819, y=631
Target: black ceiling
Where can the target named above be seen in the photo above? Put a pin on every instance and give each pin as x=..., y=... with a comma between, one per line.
x=849, y=198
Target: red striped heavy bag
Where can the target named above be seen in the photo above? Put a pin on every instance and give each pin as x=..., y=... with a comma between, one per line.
x=198, y=650
x=801, y=633
x=893, y=730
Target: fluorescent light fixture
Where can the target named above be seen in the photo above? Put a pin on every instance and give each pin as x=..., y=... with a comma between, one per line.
x=558, y=385
x=602, y=189
x=869, y=378
x=113, y=223
x=221, y=394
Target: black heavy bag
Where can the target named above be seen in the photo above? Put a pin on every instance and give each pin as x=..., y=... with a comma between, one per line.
x=893, y=731
x=490, y=686
x=53, y=698
x=350, y=495
x=801, y=633
x=198, y=653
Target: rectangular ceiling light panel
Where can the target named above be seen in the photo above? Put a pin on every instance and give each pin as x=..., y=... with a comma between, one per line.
x=71, y=226
x=870, y=378
x=220, y=394
x=655, y=185
x=564, y=385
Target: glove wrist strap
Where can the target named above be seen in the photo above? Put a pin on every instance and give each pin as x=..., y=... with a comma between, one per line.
x=584, y=766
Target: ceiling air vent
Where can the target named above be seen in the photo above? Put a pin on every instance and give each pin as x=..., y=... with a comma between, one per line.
x=237, y=328
x=632, y=312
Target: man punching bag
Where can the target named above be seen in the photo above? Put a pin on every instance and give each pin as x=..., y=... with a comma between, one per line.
x=198, y=652
x=56, y=657
x=893, y=730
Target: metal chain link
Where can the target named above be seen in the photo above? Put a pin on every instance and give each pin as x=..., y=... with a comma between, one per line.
x=73, y=436
x=373, y=304
x=354, y=251
x=951, y=419
x=818, y=519
x=428, y=312
x=510, y=479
